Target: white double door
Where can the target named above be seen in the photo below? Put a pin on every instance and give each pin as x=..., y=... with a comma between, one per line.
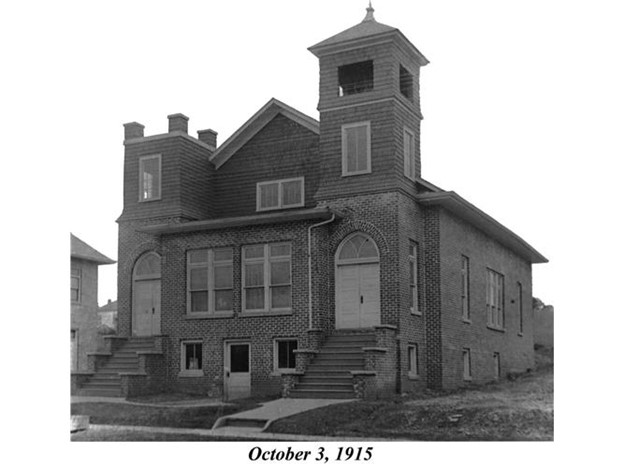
x=357, y=296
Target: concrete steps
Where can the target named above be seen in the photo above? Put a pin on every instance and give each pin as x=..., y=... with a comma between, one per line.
x=329, y=374
x=107, y=381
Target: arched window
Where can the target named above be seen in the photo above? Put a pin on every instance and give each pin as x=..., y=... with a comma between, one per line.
x=147, y=266
x=358, y=248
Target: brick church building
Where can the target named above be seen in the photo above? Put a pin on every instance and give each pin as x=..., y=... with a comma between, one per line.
x=310, y=258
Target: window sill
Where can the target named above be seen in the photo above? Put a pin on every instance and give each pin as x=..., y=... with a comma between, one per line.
x=468, y=321
x=277, y=208
x=191, y=373
x=520, y=334
x=413, y=376
x=147, y=200
x=492, y=327
x=265, y=313
x=199, y=316
x=467, y=379
x=349, y=174
x=417, y=313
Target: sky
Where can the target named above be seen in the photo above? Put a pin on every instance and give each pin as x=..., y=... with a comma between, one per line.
x=522, y=105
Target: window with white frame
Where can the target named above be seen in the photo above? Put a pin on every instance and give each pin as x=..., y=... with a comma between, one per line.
x=409, y=153
x=467, y=364
x=267, y=277
x=191, y=362
x=284, y=354
x=496, y=365
x=149, y=177
x=209, y=281
x=495, y=299
x=278, y=194
x=465, y=287
x=414, y=279
x=74, y=287
x=520, y=308
x=412, y=360
x=356, y=149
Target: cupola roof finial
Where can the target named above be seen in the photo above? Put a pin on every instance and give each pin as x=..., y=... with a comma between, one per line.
x=369, y=13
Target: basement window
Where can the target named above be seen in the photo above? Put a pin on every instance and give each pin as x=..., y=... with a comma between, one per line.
x=191, y=358
x=284, y=352
x=412, y=360
x=355, y=78
x=406, y=83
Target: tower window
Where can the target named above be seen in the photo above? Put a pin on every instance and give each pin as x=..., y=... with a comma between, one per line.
x=149, y=178
x=355, y=78
x=406, y=83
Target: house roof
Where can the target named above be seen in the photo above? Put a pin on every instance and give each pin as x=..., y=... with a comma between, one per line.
x=80, y=249
x=257, y=123
x=470, y=213
x=362, y=34
x=238, y=221
x=111, y=306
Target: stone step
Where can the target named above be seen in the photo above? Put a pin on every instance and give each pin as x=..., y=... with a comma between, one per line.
x=335, y=366
x=338, y=358
x=329, y=379
x=314, y=386
x=99, y=392
x=321, y=394
x=104, y=384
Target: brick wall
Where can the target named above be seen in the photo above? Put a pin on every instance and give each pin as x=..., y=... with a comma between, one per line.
x=458, y=238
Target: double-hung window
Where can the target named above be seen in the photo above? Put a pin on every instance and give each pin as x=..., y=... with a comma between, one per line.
x=149, y=177
x=356, y=149
x=520, y=309
x=279, y=194
x=496, y=362
x=409, y=153
x=465, y=288
x=267, y=277
x=467, y=360
x=75, y=285
x=414, y=277
x=495, y=299
x=209, y=280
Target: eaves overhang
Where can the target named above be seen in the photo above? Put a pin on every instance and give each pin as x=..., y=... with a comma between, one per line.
x=241, y=221
x=473, y=215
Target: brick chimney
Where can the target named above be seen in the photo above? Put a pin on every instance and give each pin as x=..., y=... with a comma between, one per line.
x=207, y=136
x=133, y=130
x=178, y=123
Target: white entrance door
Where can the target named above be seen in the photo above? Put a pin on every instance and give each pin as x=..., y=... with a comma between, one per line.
x=237, y=380
x=357, y=296
x=146, y=309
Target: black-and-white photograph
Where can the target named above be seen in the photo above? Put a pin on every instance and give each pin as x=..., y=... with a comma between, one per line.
x=306, y=231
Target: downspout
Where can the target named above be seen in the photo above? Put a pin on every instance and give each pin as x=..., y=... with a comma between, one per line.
x=327, y=221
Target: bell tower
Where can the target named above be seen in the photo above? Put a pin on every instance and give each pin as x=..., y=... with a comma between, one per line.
x=369, y=107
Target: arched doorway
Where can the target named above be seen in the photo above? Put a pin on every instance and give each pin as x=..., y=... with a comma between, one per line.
x=146, y=295
x=357, y=283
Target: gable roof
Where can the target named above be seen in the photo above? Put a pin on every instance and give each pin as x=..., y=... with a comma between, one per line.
x=80, y=249
x=481, y=220
x=111, y=306
x=256, y=123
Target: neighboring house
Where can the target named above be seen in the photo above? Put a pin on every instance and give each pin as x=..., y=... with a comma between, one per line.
x=83, y=295
x=544, y=325
x=108, y=314
x=310, y=257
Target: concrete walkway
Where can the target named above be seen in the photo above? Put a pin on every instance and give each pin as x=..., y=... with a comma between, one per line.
x=259, y=419
x=163, y=404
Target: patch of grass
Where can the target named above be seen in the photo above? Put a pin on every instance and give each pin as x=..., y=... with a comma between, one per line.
x=124, y=414
x=142, y=436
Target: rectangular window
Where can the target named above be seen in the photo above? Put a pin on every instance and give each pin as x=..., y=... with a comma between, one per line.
x=465, y=287
x=415, y=306
x=277, y=194
x=74, y=287
x=496, y=365
x=149, y=178
x=406, y=82
x=209, y=281
x=356, y=158
x=412, y=360
x=355, y=78
x=191, y=358
x=467, y=364
x=409, y=153
x=284, y=352
x=267, y=277
x=495, y=299
x=520, y=308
